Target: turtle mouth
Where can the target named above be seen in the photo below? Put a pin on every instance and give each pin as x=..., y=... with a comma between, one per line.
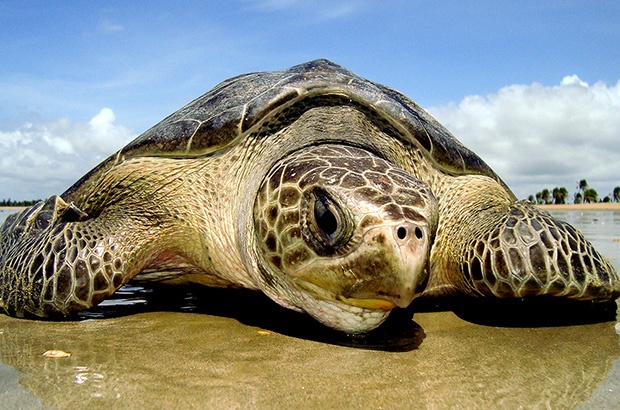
x=350, y=315
x=373, y=304
x=360, y=302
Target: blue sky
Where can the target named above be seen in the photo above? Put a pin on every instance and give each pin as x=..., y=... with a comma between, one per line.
x=531, y=86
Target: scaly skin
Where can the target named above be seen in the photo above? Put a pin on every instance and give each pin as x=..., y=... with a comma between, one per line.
x=54, y=263
x=492, y=245
x=56, y=260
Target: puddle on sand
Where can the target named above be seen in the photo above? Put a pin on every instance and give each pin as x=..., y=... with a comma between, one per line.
x=250, y=357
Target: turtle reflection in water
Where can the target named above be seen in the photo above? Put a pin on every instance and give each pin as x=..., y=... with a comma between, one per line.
x=333, y=195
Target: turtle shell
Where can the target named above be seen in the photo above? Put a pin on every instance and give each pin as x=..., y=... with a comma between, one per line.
x=224, y=115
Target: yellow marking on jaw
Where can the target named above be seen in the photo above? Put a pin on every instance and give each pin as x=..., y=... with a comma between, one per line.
x=375, y=304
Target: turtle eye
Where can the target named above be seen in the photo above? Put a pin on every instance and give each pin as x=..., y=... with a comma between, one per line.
x=327, y=222
x=324, y=217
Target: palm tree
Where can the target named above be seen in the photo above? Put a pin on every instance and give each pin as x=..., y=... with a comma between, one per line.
x=616, y=194
x=559, y=195
x=546, y=196
x=590, y=195
x=578, y=198
x=539, y=197
x=582, y=186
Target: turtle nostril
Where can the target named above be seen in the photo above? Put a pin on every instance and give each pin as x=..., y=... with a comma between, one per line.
x=401, y=232
x=418, y=233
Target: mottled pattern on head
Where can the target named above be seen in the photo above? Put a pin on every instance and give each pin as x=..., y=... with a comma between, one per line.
x=377, y=190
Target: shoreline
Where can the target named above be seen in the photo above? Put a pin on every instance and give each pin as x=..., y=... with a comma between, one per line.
x=11, y=209
x=599, y=206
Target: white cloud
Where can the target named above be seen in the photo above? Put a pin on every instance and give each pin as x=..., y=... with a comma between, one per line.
x=107, y=136
x=110, y=27
x=539, y=137
x=42, y=158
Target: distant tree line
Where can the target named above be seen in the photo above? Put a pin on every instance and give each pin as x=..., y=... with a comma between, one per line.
x=9, y=202
x=584, y=194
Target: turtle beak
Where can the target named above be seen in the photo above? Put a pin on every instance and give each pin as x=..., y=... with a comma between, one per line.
x=406, y=245
x=386, y=270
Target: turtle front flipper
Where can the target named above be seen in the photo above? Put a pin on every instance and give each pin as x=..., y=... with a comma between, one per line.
x=56, y=260
x=498, y=247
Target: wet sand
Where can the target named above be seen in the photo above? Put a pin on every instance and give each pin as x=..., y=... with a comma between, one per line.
x=239, y=350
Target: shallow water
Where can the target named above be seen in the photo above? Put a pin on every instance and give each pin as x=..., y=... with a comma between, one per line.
x=236, y=349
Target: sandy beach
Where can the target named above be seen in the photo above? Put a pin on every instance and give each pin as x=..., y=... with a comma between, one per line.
x=600, y=206
x=12, y=208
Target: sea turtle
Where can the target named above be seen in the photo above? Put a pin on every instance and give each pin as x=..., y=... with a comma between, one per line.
x=333, y=195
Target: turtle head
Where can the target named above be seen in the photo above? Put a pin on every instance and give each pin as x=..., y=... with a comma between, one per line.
x=343, y=235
